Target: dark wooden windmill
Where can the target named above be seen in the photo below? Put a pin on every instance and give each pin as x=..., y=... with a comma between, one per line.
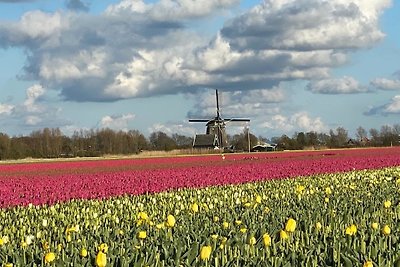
x=215, y=136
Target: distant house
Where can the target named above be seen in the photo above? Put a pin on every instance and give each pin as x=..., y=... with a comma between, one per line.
x=205, y=141
x=263, y=147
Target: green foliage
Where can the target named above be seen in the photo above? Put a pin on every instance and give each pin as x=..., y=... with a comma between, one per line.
x=228, y=219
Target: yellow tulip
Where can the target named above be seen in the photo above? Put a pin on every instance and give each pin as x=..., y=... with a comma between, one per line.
x=328, y=191
x=252, y=241
x=225, y=224
x=300, y=189
x=83, y=253
x=290, y=225
x=171, y=221
x=267, y=240
x=160, y=226
x=103, y=248
x=8, y=265
x=142, y=235
x=101, y=259
x=318, y=226
x=375, y=225
x=387, y=204
x=258, y=199
x=386, y=230
x=368, y=264
x=1, y=241
x=205, y=252
x=142, y=216
x=283, y=235
x=49, y=257
x=195, y=207
x=351, y=230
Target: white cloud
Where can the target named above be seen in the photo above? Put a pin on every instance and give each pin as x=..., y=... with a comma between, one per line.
x=171, y=9
x=393, y=106
x=390, y=108
x=33, y=93
x=306, y=123
x=6, y=109
x=238, y=104
x=33, y=113
x=345, y=85
x=182, y=128
x=300, y=121
x=386, y=84
x=136, y=49
x=312, y=24
x=116, y=122
x=32, y=120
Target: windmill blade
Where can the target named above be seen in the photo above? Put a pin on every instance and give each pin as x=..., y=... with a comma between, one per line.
x=216, y=96
x=198, y=120
x=238, y=120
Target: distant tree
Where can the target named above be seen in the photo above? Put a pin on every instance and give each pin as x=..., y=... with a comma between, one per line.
x=182, y=141
x=4, y=146
x=312, y=139
x=161, y=141
x=388, y=136
x=361, y=133
x=396, y=129
x=262, y=139
x=375, y=137
x=300, y=140
x=285, y=143
x=241, y=141
x=19, y=148
x=323, y=139
x=342, y=136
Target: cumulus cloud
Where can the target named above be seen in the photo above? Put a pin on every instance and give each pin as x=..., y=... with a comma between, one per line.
x=137, y=49
x=237, y=104
x=182, y=128
x=386, y=84
x=390, y=108
x=33, y=112
x=116, y=122
x=345, y=85
x=33, y=93
x=392, y=83
x=300, y=121
x=6, y=109
x=167, y=10
x=307, y=25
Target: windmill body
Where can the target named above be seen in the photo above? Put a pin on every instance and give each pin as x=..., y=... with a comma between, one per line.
x=215, y=136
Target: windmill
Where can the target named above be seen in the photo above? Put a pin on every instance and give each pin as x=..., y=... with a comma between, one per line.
x=215, y=136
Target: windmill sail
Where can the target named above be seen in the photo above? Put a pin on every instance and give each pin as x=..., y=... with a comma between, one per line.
x=215, y=135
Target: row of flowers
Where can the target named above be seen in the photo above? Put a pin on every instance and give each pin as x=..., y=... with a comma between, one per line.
x=340, y=219
x=49, y=183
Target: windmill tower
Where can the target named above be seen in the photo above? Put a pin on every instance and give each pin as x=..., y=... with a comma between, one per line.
x=215, y=136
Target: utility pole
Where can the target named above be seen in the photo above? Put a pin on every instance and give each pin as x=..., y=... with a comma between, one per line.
x=248, y=135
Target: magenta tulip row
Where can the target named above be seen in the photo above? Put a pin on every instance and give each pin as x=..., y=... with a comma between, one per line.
x=48, y=183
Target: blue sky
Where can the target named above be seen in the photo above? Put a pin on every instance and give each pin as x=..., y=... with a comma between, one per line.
x=288, y=65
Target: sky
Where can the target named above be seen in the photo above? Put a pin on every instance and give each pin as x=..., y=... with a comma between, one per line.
x=287, y=65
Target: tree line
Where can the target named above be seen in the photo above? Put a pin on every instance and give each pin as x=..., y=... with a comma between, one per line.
x=339, y=138
x=52, y=143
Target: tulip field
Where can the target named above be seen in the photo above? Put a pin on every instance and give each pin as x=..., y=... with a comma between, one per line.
x=308, y=208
